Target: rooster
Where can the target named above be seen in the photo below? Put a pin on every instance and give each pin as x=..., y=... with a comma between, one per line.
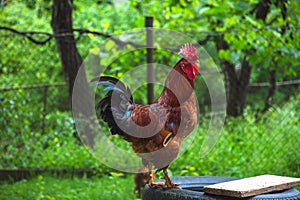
x=157, y=130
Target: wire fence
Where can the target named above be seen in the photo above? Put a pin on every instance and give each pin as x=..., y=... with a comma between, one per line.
x=37, y=109
x=37, y=98
x=49, y=97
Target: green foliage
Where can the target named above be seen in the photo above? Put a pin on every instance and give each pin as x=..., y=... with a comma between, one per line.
x=246, y=146
x=30, y=63
x=264, y=43
x=57, y=148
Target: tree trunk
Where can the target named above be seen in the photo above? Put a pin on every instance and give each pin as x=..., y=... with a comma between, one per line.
x=236, y=83
x=243, y=82
x=66, y=46
x=71, y=62
x=271, y=91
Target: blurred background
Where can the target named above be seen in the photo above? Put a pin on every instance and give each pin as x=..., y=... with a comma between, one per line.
x=255, y=44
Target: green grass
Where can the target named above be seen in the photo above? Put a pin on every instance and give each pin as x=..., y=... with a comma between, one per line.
x=47, y=187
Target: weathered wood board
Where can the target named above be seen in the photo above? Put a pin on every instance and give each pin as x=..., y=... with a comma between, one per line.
x=252, y=186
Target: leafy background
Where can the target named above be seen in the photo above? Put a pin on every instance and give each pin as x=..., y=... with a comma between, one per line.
x=35, y=135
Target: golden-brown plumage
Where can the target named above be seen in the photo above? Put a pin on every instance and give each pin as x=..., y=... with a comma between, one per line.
x=155, y=131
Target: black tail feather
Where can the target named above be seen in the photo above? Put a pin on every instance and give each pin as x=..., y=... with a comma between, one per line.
x=116, y=107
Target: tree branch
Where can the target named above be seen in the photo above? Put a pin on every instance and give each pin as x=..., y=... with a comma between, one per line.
x=61, y=34
x=29, y=35
x=116, y=40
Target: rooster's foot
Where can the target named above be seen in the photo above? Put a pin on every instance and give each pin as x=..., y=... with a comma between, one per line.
x=169, y=183
x=157, y=184
x=172, y=185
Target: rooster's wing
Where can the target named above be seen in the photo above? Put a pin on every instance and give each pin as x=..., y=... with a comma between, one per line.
x=123, y=116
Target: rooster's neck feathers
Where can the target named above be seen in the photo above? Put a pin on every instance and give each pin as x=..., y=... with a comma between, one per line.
x=178, y=87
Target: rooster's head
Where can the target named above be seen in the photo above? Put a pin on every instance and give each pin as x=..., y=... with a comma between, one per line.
x=188, y=64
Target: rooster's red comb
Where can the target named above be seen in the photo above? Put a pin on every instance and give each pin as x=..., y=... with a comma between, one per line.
x=189, y=52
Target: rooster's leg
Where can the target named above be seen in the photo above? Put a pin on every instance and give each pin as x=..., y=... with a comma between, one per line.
x=169, y=183
x=152, y=178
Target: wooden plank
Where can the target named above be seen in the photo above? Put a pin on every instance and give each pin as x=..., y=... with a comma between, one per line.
x=252, y=186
